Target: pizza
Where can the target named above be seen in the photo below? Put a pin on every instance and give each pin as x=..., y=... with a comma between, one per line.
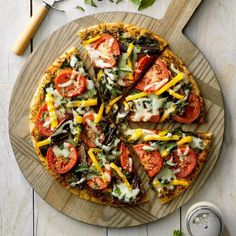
x=79, y=121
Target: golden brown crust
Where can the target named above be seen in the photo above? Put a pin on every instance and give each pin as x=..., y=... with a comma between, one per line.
x=201, y=160
x=116, y=28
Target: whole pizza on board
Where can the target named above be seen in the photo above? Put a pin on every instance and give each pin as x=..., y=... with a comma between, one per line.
x=88, y=131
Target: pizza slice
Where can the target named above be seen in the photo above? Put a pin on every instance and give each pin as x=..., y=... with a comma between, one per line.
x=166, y=92
x=172, y=159
x=120, y=54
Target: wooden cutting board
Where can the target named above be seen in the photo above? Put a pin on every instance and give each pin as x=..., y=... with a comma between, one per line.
x=170, y=27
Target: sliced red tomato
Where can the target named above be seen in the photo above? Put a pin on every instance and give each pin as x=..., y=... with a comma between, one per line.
x=125, y=162
x=108, y=47
x=42, y=119
x=97, y=182
x=89, y=135
x=142, y=64
x=61, y=164
x=70, y=85
x=155, y=118
x=151, y=161
x=185, y=164
x=156, y=77
x=87, y=116
x=192, y=111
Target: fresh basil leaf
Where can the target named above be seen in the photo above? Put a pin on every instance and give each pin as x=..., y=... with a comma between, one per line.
x=80, y=8
x=90, y=2
x=145, y=4
x=137, y=2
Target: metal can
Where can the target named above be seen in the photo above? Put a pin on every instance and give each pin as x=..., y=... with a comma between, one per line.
x=204, y=219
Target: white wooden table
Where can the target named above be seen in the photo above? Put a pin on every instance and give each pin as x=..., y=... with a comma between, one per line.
x=23, y=212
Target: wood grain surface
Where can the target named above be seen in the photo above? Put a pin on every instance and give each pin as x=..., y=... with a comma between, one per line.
x=170, y=27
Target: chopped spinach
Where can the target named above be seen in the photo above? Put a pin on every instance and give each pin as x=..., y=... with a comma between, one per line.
x=44, y=116
x=117, y=191
x=65, y=63
x=127, y=174
x=83, y=167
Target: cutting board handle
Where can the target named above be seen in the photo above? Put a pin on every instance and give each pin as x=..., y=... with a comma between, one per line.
x=179, y=12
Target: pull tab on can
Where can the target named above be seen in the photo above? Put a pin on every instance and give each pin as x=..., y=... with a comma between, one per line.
x=204, y=219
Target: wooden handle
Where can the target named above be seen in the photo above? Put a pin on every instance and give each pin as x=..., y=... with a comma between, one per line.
x=179, y=12
x=34, y=23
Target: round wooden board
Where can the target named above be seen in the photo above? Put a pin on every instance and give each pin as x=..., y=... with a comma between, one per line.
x=61, y=40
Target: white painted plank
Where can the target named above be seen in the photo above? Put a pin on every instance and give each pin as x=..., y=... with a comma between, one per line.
x=165, y=226
x=213, y=30
x=50, y=222
x=16, y=216
x=133, y=231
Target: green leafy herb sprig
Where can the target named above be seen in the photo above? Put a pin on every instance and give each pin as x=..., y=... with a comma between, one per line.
x=141, y=4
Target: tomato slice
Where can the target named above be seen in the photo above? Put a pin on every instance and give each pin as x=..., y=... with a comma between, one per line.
x=142, y=65
x=108, y=47
x=87, y=116
x=89, y=135
x=185, y=164
x=125, y=162
x=70, y=84
x=97, y=182
x=155, y=118
x=151, y=161
x=61, y=164
x=156, y=77
x=192, y=111
x=42, y=119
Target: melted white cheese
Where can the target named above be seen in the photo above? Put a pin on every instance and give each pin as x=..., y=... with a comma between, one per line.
x=166, y=175
x=98, y=57
x=197, y=143
x=125, y=194
x=90, y=84
x=149, y=148
x=58, y=99
x=157, y=85
x=47, y=123
x=73, y=61
x=145, y=108
x=64, y=152
x=78, y=182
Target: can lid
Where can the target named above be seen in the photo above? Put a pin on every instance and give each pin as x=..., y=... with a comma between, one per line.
x=205, y=221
